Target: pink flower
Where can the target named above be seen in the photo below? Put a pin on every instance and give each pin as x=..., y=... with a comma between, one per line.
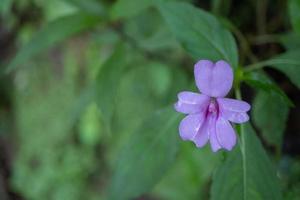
x=209, y=113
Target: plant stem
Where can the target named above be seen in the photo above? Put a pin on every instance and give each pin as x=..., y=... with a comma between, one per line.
x=238, y=92
x=276, y=61
x=255, y=66
x=267, y=38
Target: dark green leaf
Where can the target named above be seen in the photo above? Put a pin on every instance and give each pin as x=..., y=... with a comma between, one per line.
x=51, y=34
x=294, y=11
x=289, y=64
x=269, y=113
x=108, y=80
x=261, y=81
x=247, y=173
x=146, y=157
x=129, y=8
x=200, y=33
x=290, y=40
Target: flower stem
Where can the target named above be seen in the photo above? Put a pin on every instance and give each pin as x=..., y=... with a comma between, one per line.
x=238, y=92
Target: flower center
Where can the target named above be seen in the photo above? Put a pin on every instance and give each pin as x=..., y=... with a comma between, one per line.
x=213, y=107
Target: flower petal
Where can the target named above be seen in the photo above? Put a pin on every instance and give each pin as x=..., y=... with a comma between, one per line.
x=225, y=134
x=214, y=80
x=233, y=105
x=191, y=102
x=233, y=110
x=202, y=135
x=214, y=143
x=236, y=117
x=190, y=126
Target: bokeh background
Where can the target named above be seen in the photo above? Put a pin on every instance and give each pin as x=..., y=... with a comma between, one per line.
x=62, y=134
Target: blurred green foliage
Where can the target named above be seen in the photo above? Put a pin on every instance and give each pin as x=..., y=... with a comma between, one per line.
x=87, y=106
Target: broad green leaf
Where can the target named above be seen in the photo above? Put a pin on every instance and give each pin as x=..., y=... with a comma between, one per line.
x=56, y=9
x=153, y=37
x=129, y=8
x=294, y=11
x=193, y=171
x=261, y=81
x=269, y=113
x=247, y=173
x=290, y=40
x=146, y=157
x=200, y=33
x=5, y=7
x=93, y=7
x=51, y=34
x=137, y=97
x=108, y=80
x=289, y=64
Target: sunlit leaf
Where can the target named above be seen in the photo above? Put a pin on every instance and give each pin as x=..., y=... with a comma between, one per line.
x=200, y=33
x=145, y=158
x=247, y=173
x=51, y=34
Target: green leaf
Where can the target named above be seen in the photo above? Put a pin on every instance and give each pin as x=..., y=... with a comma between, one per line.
x=269, y=113
x=192, y=170
x=108, y=80
x=290, y=40
x=247, y=173
x=200, y=33
x=129, y=8
x=261, y=81
x=289, y=64
x=51, y=34
x=93, y=7
x=5, y=7
x=146, y=157
x=294, y=11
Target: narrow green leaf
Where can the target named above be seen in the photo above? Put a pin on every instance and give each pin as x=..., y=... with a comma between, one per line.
x=294, y=11
x=261, y=81
x=108, y=80
x=51, y=34
x=269, y=113
x=145, y=158
x=247, y=173
x=200, y=33
x=129, y=8
x=290, y=65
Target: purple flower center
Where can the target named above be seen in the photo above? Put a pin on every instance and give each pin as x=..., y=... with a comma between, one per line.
x=213, y=108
